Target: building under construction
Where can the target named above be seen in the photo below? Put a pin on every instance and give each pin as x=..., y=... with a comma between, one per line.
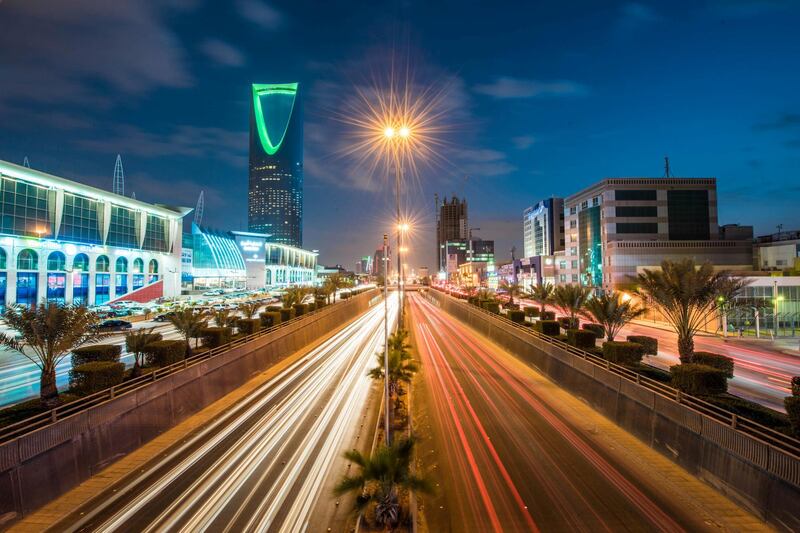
x=451, y=225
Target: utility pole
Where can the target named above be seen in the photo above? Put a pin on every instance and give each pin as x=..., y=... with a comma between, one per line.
x=386, y=337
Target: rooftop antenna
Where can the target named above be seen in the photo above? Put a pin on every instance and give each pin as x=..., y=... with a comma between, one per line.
x=133, y=196
x=26, y=162
x=667, y=171
x=119, y=177
x=198, y=211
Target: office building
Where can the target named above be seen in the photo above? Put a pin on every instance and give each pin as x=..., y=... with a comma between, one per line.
x=459, y=252
x=543, y=228
x=451, y=225
x=620, y=226
x=275, y=197
x=214, y=259
x=68, y=243
x=379, y=266
x=779, y=251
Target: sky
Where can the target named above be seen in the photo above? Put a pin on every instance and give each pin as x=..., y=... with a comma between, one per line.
x=531, y=99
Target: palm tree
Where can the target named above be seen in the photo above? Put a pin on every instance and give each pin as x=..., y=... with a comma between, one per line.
x=249, y=309
x=293, y=295
x=224, y=318
x=542, y=294
x=512, y=289
x=189, y=324
x=686, y=294
x=571, y=299
x=485, y=294
x=135, y=342
x=47, y=334
x=380, y=479
x=401, y=365
x=329, y=288
x=338, y=281
x=612, y=311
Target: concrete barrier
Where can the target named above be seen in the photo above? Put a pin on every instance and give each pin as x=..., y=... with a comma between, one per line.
x=40, y=466
x=757, y=475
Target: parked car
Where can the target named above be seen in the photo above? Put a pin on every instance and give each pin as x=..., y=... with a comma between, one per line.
x=164, y=317
x=113, y=325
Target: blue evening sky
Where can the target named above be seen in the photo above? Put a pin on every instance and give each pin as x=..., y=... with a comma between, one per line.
x=539, y=99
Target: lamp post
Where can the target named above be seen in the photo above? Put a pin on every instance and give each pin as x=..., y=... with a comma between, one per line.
x=386, y=338
x=396, y=136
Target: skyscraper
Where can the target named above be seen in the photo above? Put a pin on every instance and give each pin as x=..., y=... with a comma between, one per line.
x=543, y=228
x=451, y=225
x=275, y=197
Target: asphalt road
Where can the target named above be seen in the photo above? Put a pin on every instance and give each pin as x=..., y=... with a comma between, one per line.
x=267, y=463
x=505, y=456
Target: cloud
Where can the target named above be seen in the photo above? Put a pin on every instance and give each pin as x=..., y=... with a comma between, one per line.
x=87, y=51
x=186, y=141
x=260, y=13
x=523, y=142
x=222, y=53
x=506, y=87
x=785, y=121
x=635, y=15
x=483, y=162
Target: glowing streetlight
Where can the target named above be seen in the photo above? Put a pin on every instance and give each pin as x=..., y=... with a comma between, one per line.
x=404, y=226
x=405, y=132
x=388, y=132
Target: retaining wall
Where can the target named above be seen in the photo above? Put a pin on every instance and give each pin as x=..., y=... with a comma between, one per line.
x=40, y=466
x=758, y=476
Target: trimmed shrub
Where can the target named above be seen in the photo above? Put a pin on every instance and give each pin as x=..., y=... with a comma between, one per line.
x=311, y=306
x=565, y=322
x=650, y=344
x=581, y=338
x=516, y=316
x=753, y=411
x=598, y=330
x=652, y=372
x=320, y=303
x=698, y=379
x=514, y=306
x=345, y=295
x=473, y=300
x=792, y=405
x=300, y=309
x=96, y=352
x=287, y=315
x=275, y=308
x=623, y=353
x=248, y=326
x=96, y=376
x=164, y=353
x=547, y=315
x=547, y=327
x=796, y=386
x=532, y=311
x=493, y=307
x=215, y=336
x=270, y=318
x=714, y=360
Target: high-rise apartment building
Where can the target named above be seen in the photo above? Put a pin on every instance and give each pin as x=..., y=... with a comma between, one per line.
x=451, y=225
x=275, y=198
x=619, y=226
x=543, y=228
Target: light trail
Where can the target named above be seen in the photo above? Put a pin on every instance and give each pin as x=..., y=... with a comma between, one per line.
x=262, y=464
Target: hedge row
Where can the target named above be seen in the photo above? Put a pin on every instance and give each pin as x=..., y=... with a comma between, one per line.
x=516, y=316
x=581, y=338
x=96, y=376
x=700, y=380
x=714, y=360
x=598, y=329
x=270, y=319
x=532, y=311
x=96, y=352
x=164, y=353
x=623, y=353
x=650, y=344
x=547, y=327
x=213, y=337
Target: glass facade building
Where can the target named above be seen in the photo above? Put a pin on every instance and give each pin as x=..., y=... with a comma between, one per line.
x=275, y=196
x=64, y=242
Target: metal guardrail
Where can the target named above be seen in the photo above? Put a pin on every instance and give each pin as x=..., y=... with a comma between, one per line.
x=30, y=424
x=741, y=424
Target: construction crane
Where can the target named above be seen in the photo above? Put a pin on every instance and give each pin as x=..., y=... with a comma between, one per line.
x=119, y=177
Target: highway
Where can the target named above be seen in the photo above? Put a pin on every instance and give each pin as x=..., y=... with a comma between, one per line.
x=268, y=463
x=510, y=451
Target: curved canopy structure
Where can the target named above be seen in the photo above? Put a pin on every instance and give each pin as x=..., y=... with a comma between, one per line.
x=273, y=105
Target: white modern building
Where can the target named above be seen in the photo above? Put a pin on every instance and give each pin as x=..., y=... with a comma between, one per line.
x=65, y=242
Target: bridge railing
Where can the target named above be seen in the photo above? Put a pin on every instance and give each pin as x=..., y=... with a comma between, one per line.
x=17, y=429
x=741, y=424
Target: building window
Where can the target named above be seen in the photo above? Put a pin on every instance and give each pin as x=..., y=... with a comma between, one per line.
x=636, y=211
x=573, y=251
x=102, y=264
x=595, y=201
x=584, y=204
x=26, y=288
x=2, y=264
x=562, y=278
x=152, y=267
x=688, y=215
x=573, y=210
x=121, y=265
x=27, y=260
x=56, y=261
x=574, y=278
x=81, y=262
x=56, y=287
x=79, y=221
x=155, y=236
x=647, y=195
x=138, y=266
x=637, y=227
x=24, y=209
x=102, y=291
x=80, y=288
x=120, y=284
x=573, y=224
x=574, y=263
x=122, y=229
x=562, y=265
